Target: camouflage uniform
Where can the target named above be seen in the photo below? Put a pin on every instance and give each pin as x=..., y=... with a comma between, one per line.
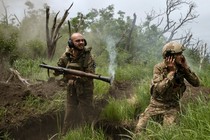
x=166, y=91
x=79, y=90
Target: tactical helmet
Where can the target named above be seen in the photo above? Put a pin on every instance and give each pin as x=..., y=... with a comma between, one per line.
x=172, y=48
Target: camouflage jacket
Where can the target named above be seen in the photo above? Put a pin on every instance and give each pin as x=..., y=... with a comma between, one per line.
x=169, y=89
x=83, y=62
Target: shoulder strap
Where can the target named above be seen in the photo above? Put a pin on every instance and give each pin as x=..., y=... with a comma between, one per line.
x=86, y=57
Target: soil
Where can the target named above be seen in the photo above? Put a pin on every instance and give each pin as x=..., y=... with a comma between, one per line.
x=23, y=124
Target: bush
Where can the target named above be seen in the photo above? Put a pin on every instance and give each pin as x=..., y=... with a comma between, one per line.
x=8, y=41
x=27, y=67
x=34, y=48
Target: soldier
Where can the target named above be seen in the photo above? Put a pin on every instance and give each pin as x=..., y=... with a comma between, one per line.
x=168, y=86
x=79, y=106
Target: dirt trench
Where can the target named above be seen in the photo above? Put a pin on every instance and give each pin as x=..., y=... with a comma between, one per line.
x=24, y=124
x=41, y=127
x=45, y=126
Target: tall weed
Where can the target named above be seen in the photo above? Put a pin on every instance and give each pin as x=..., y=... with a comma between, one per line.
x=85, y=133
x=30, y=69
x=194, y=125
x=204, y=76
x=118, y=110
x=133, y=73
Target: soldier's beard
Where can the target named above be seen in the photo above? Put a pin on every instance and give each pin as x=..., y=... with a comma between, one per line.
x=79, y=48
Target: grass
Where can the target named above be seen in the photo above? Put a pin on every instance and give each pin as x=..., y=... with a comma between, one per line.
x=132, y=73
x=41, y=106
x=142, y=92
x=194, y=123
x=204, y=76
x=118, y=110
x=3, y=112
x=85, y=133
x=100, y=88
x=30, y=68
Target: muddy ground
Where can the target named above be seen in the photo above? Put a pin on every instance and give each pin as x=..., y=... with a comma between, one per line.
x=24, y=124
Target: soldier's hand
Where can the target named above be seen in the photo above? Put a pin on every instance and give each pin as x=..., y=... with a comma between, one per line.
x=170, y=62
x=56, y=73
x=180, y=60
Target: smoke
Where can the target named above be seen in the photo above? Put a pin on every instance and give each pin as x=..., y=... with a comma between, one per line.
x=112, y=56
x=17, y=7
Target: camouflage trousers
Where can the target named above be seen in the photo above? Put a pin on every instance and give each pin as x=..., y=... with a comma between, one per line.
x=79, y=107
x=169, y=113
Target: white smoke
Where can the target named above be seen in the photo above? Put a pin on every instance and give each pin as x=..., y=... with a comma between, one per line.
x=112, y=56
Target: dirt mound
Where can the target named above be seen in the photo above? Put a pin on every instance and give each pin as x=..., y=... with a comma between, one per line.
x=24, y=124
x=192, y=93
x=14, y=94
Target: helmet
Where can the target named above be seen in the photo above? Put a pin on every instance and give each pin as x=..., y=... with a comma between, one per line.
x=172, y=48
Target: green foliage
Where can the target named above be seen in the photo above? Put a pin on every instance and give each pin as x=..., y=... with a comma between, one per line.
x=142, y=93
x=101, y=60
x=118, y=110
x=85, y=133
x=197, y=118
x=145, y=43
x=100, y=87
x=123, y=58
x=28, y=67
x=193, y=56
x=5, y=136
x=132, y=72
x=8, y=41
x=103, y=29
x=204, y=76
x=194, y=124
x=33, y=102
x=2, y=111
x=32, y=26
x=39, y=106
x=35, y=49
x=61, y=46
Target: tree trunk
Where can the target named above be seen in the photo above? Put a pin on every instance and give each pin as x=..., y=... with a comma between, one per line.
x=53, y=35
x=128, y=44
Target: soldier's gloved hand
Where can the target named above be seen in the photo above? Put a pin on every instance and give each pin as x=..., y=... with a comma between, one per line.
x=170, y=62
x=56, y=73
x=81, y=79
x=182, y=63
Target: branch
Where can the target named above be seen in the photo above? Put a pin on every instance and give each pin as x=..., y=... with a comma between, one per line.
x=130, y=33
x=17, y=19
x=69, y=25
x=80, y=22
x=62, y=20
x=173, y=26
x=47, y=25
x=6, y=13
x=17, y=74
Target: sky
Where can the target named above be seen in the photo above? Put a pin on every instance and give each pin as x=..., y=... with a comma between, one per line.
x=200, y=27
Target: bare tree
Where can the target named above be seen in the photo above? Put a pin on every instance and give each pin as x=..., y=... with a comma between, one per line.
x=128, y=44
x=197, y=47
x=201, y=48
x=203, y=54
x=53, y=35
x=5, y=16
x=172, y=26
x=77, y=26
x=17, y=19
